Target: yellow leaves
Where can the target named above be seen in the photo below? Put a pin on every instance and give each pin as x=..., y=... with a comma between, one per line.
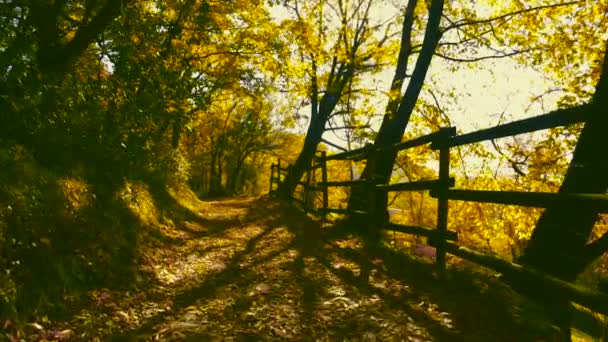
x=76, y=193
x=302, y=31
x=170, y=13
x=69, y=36
x=178, y=44
x=219, y=19
x=139, y=200
x=135, y=39
x=601, y=226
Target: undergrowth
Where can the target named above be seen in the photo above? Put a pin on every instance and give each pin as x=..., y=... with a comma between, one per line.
x=65, y=235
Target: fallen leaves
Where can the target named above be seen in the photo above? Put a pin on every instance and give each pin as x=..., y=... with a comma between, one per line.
x=261, y=279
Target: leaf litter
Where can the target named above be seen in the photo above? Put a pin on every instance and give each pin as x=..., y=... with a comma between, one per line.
x=256, y=269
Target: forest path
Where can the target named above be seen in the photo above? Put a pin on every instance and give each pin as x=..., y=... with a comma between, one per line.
x=261, y=270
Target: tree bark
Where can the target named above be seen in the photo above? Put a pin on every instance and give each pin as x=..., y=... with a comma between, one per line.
x=232, y=181
x=560, y=242
x=560, y=239
x=311, y=142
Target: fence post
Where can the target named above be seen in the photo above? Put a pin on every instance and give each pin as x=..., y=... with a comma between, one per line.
x=371, y=192
x=324, y=183
x=314, y=183
x=442, y=200
x=307, y=186
x=288, y=170
x=271, y=177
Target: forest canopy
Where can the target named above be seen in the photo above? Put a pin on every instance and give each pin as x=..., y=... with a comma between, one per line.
x=110, y=109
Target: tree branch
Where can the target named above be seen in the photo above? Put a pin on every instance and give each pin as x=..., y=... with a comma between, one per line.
x=477, y=59
x=346, y=127
x=62, y=59
x=506, y=15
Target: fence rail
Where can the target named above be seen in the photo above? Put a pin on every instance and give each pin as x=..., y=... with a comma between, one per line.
x=441, y=188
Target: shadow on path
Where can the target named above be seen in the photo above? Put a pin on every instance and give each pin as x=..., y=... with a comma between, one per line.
x=272, y=273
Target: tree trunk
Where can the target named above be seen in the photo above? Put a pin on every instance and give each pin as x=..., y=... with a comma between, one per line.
x=398, y=112
x=215, y=174
x=232, y=181
x=311, y=142
x=560, y=242
x=320, y=112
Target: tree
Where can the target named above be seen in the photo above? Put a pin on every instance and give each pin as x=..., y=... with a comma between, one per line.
x=400, y=108
x=560, y=242
x=353, y=50
x=47, y=40
x=461, y=40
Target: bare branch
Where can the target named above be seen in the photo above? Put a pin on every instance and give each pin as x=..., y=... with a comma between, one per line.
x=346, y=127
x=505, y=16
x=476, y=59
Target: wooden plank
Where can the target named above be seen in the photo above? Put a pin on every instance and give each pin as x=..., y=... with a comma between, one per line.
x=431, y=233
x=361, y=153
x=591, y=299
x=597, y=202
x=416, y=230
x=359, y=182
x=425, y=139
x=438, y=237
x=334, y=145
x=417, y=185
x=443, y=133
x=442, y=205
x=350, y=154
x=345, y=211
x=557, y=118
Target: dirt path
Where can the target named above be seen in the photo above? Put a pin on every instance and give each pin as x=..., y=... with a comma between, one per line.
x=256, y=270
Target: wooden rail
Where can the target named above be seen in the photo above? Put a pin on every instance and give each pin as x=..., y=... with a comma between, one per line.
x=441, y=188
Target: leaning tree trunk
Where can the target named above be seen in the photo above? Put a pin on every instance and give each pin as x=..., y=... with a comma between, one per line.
x=312, y=140
x=320, y=113
x=396, y=119
x=560, y=242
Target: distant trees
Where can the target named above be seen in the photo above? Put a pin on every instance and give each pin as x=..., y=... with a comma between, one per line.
x=224, y=142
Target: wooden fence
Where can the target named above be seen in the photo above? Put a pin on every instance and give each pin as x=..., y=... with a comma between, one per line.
x=441, y=188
